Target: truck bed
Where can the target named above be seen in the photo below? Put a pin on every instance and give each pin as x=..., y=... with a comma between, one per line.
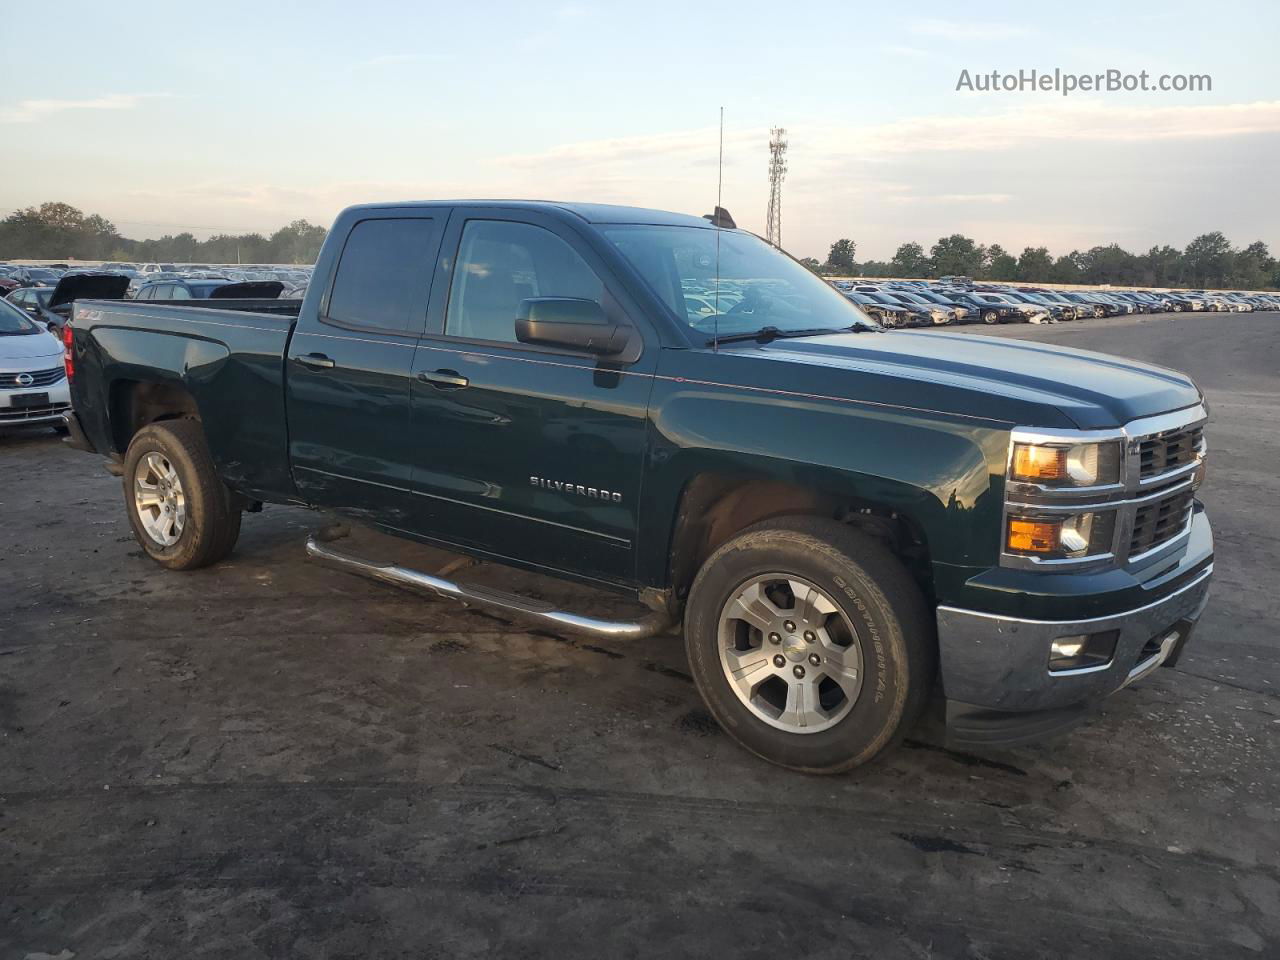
x=225, y=356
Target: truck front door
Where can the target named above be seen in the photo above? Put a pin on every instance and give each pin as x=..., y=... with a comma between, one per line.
x=524, y=451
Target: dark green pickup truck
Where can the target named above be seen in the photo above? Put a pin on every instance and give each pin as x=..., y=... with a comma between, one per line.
x=843, y=520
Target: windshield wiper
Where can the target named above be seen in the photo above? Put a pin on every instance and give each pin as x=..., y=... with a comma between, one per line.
x=768, y=333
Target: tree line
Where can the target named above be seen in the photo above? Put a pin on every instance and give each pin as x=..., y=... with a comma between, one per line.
x=1208, y=261
x=58, y=231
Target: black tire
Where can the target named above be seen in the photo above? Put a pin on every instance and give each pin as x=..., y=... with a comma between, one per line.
x=870, y=589
x=990, y=317
x=212, y=523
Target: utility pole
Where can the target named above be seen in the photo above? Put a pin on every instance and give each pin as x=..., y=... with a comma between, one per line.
x=777, y=170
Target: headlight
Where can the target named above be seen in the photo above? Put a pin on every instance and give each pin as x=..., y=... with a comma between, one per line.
x=1060, y=537
x=1066, y=465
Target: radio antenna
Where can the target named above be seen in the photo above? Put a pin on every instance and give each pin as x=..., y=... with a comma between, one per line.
x=715, y=330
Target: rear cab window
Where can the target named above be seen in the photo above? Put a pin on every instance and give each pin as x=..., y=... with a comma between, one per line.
x=383, y=276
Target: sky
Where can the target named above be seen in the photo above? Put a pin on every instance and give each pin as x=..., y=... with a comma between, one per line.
x=243, y=116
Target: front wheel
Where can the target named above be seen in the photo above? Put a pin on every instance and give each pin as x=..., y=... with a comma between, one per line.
x=990, y=317
x=810, y=644
x=182, y=514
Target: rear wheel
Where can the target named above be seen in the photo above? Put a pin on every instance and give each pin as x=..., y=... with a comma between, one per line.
x=810, y=644
x=182, y=514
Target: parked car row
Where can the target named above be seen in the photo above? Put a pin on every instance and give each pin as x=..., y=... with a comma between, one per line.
x=922, y=303
x=45, y=294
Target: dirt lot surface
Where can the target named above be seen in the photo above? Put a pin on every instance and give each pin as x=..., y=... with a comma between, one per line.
x=271, y=759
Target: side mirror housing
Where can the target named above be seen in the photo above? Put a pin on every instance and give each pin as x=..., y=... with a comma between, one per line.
x=573, y=323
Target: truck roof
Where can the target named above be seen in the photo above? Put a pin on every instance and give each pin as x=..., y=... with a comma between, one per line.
x=590, y=212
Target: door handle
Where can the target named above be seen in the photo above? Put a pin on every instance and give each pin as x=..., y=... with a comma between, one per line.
x=316, y=361
x=445, y=379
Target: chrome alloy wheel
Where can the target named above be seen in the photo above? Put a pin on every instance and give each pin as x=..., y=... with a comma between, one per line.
x=158, y=498
x=789, y=653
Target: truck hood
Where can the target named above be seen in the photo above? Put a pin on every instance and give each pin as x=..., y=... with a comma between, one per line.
x=30, y=346
x=962, y=373
x=88, y=286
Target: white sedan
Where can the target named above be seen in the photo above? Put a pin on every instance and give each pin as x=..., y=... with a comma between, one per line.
x=33, y=383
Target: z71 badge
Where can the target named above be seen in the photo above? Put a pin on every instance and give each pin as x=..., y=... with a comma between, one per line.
x=595, y=493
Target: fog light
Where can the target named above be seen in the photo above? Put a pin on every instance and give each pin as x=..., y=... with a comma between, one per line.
x=1083, y=650
x=1068, y=648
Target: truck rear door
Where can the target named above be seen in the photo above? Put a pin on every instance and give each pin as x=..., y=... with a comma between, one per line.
x=524, y=451
x=349, y=364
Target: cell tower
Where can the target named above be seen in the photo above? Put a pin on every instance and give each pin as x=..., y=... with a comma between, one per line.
x=777, y=170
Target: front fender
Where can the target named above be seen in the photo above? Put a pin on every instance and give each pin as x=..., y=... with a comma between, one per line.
x=942, y=472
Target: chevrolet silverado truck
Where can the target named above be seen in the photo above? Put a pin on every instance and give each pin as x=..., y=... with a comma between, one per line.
x=842, y=520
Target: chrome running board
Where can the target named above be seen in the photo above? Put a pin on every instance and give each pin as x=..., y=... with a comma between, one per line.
x=318, y=549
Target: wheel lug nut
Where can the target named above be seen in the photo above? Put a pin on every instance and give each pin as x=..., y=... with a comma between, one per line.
x=814, y=659
x=779, y=661
x=798, y=671
x=790, y=625
x=810, y=636
x=775, y=638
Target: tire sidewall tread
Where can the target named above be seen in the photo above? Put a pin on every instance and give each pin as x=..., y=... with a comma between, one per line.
x=874, y=591
x=212, y=524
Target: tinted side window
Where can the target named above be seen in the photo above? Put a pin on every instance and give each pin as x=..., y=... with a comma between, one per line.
x=383, y=273
x=179, y=291
x=500, y=264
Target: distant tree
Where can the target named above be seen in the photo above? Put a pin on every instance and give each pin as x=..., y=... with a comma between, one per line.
x=299, y=242
x=1160, y=267
x=877, y=268
x=1034, y=265
x=1000, y=265
x=1207, y=260
x=812, y=263
x=1066, y=269
x=1110, y=264
x=56, y=230
x=1252, y=267
x=910, y=261
x=957, y=255
x=840, y=259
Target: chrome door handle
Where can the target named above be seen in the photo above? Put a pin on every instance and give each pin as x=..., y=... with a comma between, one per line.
x=443, y=378
x=316, y=361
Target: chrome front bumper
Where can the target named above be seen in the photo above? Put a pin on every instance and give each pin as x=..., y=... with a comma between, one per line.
x=996, y=668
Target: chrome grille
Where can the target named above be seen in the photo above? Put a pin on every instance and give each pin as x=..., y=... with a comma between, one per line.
x=1160, y=521
x=39, y=378
x=20, y=414
x=1167, y=451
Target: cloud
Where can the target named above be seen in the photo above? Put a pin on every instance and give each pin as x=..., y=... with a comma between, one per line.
x=30, y=111
x=966, y=30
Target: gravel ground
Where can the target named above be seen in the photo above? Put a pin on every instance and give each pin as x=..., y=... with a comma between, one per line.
x=270, y=759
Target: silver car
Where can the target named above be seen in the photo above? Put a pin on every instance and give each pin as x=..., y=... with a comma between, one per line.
x=33, y=382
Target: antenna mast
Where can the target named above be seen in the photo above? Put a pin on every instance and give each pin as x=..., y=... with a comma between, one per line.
x=715, y=324
x=777, y=171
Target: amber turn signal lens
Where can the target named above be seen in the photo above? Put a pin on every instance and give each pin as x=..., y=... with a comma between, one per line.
x=1031, y=462
x=1034, y=536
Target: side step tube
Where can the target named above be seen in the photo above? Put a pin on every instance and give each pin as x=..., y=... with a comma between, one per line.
x=496, y=600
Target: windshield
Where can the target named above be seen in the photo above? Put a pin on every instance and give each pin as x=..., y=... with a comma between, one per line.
x=13, y=322
x=758, y=286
